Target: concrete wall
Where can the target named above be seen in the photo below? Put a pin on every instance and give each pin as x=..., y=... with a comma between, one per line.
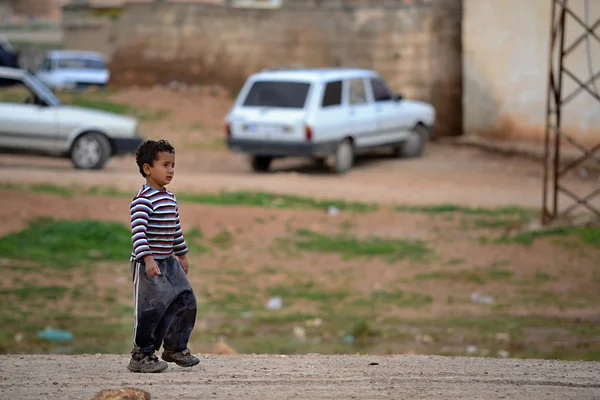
x=506, y=50
x=90, y=28
x=414, y=44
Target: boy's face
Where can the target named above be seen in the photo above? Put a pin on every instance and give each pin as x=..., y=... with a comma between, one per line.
x=161, y=172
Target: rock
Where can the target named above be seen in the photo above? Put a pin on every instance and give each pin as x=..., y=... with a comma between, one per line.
x=222, y=348
x=122, y=394
x=503, y=354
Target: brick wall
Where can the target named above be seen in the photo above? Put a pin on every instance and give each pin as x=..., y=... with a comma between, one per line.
x=414, y=44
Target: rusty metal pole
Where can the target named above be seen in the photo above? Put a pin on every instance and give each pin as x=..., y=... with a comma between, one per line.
x=558, y=104
x=545, y=217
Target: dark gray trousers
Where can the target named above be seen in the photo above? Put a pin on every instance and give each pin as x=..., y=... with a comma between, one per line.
x=164, y=307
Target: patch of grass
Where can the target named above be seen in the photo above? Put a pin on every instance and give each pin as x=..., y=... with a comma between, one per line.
x=397, y=298
x=223, y=239
x=498, y=223
x=588, y=235
x=479, y=276
x=100, y=103
x=454, y=208
x=65, y=244
x=51, y=189
x=35, y=293
x=269, y=200
x=307, y=290
x=349, y=246
x=223, y=198
x=456, y=261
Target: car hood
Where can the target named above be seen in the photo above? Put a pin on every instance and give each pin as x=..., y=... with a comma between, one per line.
x=96, y=119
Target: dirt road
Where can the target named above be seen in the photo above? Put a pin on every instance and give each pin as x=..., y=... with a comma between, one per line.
x=303, y=377
x=444, y=175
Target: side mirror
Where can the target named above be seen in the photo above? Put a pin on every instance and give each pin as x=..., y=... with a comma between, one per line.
x=398, y=97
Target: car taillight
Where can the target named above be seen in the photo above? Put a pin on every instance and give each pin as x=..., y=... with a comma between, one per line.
x=308, y=133
x=227, y=130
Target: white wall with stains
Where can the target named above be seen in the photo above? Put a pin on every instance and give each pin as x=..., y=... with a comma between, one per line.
x=505, y=63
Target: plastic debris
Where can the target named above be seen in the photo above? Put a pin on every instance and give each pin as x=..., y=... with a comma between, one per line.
x=333, y=211
x=348, y=339
x=300, y=333
x=55, y=335
x=479, y=299
x=274, y=303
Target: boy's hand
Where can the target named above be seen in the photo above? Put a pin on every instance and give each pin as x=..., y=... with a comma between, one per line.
x=151, y=267
x=184, y=263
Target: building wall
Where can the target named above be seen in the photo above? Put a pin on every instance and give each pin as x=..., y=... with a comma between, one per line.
x=505, y=59
x=90, y=28
x=414, y=44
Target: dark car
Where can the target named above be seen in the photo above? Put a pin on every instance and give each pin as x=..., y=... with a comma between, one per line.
x=9, y=57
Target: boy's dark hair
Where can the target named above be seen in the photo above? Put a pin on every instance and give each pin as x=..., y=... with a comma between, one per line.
x=148, y=151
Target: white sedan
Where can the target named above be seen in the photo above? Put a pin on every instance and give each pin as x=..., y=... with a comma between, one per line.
x=34, y=121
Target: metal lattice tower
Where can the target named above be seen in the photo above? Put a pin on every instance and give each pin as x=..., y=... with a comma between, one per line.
x=553, y=169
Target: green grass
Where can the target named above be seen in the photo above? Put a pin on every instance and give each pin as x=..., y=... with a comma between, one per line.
x=588, y=235
x=350, y=246
x=98, y=102
x=478, y=211
x=398, y=298
x=308, y=290
x=223, y=198
x=476, y=275
x=65, y=244
x=35, y=293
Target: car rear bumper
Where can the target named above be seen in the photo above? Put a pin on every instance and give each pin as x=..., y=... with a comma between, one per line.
x=124, y=146
x=281, y=149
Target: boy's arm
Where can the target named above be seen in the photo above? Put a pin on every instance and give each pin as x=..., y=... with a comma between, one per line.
x=140, y=210
x=179, y=246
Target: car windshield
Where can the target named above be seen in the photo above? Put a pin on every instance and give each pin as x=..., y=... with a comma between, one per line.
x=80, y=63
x=43, y=90
x=281, y=94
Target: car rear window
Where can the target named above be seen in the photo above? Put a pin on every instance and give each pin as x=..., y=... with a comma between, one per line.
x=80, y=63
x=280, y=94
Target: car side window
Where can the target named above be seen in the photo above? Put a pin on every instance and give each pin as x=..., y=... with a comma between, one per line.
x=45, y=65
x=332, y=95
x=380, y=90
x=356, y=92
x=14, y=91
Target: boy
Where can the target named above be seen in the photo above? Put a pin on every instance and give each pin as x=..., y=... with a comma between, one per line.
x=164, y=302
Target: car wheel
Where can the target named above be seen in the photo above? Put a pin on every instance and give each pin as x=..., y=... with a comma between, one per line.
x=344, y=157
x=414, y=145
x=90, y=151
x=261, y=163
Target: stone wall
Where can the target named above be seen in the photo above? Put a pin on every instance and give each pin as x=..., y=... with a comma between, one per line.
x=414, y=44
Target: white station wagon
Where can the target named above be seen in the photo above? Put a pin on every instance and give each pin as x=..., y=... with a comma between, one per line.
x=34, y=121
x=325, y=114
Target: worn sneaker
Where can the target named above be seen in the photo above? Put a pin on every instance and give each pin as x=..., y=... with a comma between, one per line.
x=146, y=363
x=182, y=358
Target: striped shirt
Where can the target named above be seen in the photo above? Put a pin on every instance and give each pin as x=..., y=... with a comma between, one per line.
x=155, y=225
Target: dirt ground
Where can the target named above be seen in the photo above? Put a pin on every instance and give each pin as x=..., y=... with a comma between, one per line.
x=443, y=175
x=303, y=377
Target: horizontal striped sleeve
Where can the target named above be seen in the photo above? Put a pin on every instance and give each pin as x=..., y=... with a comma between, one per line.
x=179, y=245
x=141, y=210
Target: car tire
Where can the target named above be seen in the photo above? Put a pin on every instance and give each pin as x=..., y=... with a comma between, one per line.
x=343, y=157
x=90, y=151
x=261, y=163
x=414, y=145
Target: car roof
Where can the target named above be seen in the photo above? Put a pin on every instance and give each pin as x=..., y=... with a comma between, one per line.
x=75, y=54
x=12, y=73
x=314, y=74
